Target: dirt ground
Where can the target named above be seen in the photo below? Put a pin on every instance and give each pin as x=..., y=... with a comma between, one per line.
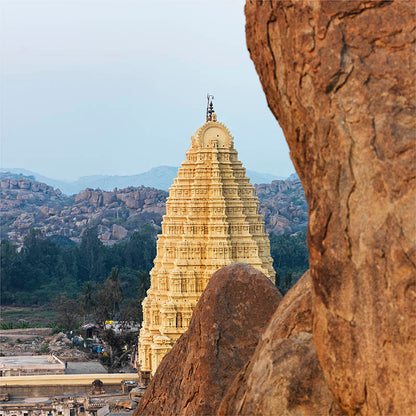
x=28, y=316
x=24, y=334
x=39, y=341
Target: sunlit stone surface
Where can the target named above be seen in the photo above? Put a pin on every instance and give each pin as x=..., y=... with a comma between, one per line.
x=211, y=221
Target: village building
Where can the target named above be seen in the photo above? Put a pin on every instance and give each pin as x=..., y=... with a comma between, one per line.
x=69, y=394
x=211, y=221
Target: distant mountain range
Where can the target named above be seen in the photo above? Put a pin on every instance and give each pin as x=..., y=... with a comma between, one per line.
x=160, y=177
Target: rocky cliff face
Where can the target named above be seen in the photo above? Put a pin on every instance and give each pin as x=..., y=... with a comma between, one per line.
x=25, y=203
x=339, y=76
x=223, y=333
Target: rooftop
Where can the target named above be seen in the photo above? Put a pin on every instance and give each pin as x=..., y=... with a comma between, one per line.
x=29, y=361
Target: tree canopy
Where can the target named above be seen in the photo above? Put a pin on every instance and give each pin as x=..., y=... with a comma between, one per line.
x=44, y=269
x=91, y=273
x=290, y=258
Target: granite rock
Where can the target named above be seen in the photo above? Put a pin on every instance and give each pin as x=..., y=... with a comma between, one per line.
x=339, y=76
x=283, y=377
x=282, y=204
x=118, y=232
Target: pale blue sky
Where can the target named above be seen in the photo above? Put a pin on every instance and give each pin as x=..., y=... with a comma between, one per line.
x=118, y=87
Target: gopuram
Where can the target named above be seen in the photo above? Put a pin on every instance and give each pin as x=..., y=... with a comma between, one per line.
x=211, y=221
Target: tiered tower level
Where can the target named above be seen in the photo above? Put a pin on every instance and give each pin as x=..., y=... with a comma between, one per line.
x=211, y=221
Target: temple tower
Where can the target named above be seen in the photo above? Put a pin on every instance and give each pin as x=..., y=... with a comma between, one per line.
x=211, y=221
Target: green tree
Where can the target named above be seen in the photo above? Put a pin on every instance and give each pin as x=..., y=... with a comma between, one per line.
x=87, y=299
x=109, y=298
x=141, y=249
x=143, y=279
x=36, y=273
x=68, y=312
x=132, y=310
x=131, y=313
x=45, y=267
x=91, y=257
x=113, y=289
x=290, y=258
x=8, y=257
x=40, y=257
x=120, y=346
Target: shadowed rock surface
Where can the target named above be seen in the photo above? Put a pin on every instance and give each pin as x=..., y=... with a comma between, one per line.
x=283, y=377
x=223, y=333
x=339, y=76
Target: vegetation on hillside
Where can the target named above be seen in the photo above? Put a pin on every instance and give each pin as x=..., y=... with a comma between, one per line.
x=290, y=258
x=46, y=268
x=90, y=280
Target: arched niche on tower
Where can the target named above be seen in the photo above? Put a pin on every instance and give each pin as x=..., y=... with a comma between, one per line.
x=168, y=312
x=213, y=134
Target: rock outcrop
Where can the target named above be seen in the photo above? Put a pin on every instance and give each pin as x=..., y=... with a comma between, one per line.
x=339, y=76
x=283, y=377
x=283, y=206
x=225, y=328
x=118, y=232
x=25, y=204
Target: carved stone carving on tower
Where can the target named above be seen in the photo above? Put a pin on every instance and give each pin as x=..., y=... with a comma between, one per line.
x=211, y=221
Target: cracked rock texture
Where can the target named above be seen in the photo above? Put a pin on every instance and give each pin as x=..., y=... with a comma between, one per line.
x=339, y=76
x=283, y=377
x=225, y=328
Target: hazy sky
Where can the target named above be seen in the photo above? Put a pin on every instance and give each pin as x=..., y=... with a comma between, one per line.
x=118, y=87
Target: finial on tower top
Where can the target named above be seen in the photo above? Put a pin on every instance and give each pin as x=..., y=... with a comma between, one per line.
x=211, y=116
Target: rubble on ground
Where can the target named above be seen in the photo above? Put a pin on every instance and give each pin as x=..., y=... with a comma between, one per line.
x=34, y=341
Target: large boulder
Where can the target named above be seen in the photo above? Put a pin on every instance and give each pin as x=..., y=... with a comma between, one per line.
x=340, y=78
x=118, y=232
x=225, y=328
x=283, y=377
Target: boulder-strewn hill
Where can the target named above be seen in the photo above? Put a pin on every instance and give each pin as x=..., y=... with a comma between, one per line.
x=25, y=203
x=283, y=205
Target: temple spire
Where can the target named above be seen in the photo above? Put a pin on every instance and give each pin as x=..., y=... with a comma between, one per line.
x=211, y=221
x=210, y=108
